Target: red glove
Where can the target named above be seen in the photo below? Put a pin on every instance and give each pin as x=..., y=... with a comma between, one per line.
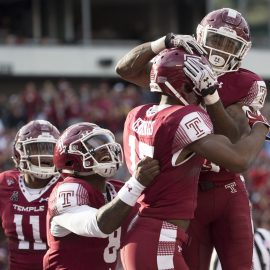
x=255, y=117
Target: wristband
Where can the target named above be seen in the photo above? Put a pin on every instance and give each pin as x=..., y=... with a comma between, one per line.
x=131, y=191
x=211, y=99
x=158, y=45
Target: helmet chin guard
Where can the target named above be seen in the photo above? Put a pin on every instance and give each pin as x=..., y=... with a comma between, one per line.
x=45, y=172
x=105, y=170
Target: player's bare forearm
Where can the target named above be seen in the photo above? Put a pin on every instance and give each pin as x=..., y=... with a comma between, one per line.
x=234, y=157
x=239, y=117
x=251, y=145
x=135, y=66
x=111, y=215
x=222, y=121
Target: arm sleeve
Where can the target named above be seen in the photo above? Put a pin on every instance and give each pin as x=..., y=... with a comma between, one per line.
x=80, y=220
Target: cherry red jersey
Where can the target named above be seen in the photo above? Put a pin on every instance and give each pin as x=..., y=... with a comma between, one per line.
x=240, y=86
x=79, y=252
x=24, y=220
x=163, y=132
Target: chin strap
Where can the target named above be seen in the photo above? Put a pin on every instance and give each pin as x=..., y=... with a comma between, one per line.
x=77, y=173
x=101, y=172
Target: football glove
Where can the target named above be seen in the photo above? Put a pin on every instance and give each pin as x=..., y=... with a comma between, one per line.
x=203, y=77
x=255, y=117
x=188, y=42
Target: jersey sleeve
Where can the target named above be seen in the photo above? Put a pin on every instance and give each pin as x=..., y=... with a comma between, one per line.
x=72, y=212
x=256, y=95
x=192, y=127
x=69, y=196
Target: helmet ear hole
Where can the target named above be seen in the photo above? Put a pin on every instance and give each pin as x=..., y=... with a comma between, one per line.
x=69, y=163
x=187, y=88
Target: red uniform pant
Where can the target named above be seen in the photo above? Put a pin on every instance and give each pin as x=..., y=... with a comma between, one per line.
x=223, y=220
x=153, y=244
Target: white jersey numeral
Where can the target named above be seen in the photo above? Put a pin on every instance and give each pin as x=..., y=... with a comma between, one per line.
x=144, y=149
x=23, y=244
x=110, y=252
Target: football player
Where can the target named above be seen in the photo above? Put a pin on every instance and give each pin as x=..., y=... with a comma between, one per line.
x=178, y=133
x=222, y=198
x=24, y=194
x=87, y=209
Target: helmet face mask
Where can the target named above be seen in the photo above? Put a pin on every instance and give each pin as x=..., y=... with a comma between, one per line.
x=33, y=149
x=224, y=33
x=99, y=152
x=92, y=150
x=223, y=43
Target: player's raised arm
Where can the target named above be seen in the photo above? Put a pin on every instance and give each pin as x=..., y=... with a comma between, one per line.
x=135, y=66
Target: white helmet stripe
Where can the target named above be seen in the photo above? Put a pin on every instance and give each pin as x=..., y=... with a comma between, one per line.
x=176, y=93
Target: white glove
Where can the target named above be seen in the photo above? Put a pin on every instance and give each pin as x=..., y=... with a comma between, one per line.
x=203, y=77
x=189, y=43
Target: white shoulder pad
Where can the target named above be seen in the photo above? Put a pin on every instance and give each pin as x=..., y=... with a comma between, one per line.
x=70, y=195
x=194, y=126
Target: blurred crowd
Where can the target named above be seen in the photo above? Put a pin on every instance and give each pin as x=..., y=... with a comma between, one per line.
x=107, y=104
x=63, y=104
